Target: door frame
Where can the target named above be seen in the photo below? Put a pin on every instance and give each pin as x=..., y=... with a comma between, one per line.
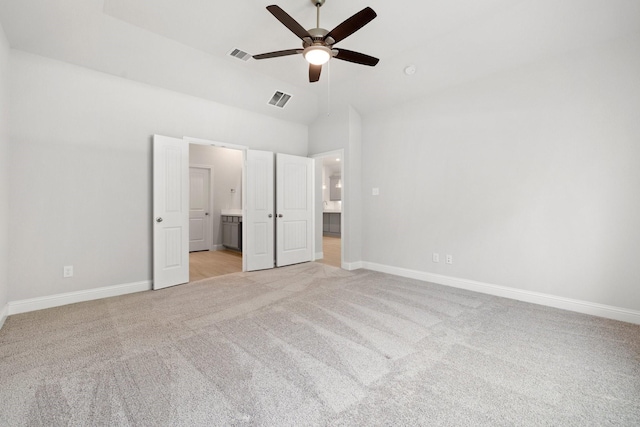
x=344, y=207
x=211, y=204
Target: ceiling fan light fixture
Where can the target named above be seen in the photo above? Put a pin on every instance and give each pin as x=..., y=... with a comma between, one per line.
x=317, y=55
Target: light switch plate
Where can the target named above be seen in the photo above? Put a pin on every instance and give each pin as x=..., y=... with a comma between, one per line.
x=375, y=191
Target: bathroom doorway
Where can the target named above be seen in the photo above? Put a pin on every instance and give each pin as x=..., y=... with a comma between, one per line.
x=214, y=217
x=331, y=185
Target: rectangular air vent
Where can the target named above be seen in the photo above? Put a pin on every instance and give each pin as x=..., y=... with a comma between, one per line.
x=237, y=53
x=279, y=99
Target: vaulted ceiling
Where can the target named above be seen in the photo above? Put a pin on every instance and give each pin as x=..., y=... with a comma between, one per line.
x=183, y=45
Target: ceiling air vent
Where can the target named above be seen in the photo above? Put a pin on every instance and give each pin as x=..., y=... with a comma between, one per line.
x=237, y=53
x=279, y=99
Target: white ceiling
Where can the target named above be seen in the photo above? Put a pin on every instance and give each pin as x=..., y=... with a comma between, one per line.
x=182, y=45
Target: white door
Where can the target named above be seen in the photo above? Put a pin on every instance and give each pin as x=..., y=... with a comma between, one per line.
x=200, y=234
x=294, y=208
x=170, y=211
x=259, y=214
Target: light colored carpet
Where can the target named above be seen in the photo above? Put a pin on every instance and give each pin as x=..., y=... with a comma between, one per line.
x=315, y=345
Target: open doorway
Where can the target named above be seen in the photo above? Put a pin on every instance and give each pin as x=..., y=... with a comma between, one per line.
x=215, y=211
x=267, y=182
x=332, y=186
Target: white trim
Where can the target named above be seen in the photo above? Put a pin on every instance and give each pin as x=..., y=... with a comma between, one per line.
x=201, y=141
x=39, y=303
x=579, y=306
x=4, y=314
x=319, y=255
x=353, y=265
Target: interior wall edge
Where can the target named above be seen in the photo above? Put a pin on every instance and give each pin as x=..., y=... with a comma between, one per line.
x=3, y=315
x=548, y=300
x=57, y=300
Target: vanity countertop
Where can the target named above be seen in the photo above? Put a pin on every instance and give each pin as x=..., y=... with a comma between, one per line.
x=231, y=212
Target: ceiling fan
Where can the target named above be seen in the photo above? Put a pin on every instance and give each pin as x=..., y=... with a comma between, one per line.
x=317, y=43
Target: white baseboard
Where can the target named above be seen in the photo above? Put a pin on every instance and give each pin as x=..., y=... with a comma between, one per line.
x=319, y=255
x=585, y=307
x=40, y=303
x=217, y=247
x=353, y=265
x=4, y=313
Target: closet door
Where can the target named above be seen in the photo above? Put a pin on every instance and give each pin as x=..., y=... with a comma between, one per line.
x=170, y=211
x=259, y=221
x=294, y=209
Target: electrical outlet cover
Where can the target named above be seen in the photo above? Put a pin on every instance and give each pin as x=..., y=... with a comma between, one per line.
x=67, y=271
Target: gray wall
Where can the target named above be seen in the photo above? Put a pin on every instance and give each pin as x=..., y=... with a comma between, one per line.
x=80, y=165
x=226, y=164
x=4, y=175
x=342, y=130
x=529, y=178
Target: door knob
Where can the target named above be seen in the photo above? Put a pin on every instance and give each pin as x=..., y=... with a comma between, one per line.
x=279, y=215
x=206, y=213
x=270, y=216
x=159, y=219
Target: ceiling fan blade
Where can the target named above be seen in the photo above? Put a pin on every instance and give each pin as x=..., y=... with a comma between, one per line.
x=357, y=57
x=288, y=21
x=314, y=73
x=351, y=25
x=277, y=54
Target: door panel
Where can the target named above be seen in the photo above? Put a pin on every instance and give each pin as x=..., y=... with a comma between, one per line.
x=199, y=204
x=294, y=207
x=170, y=211
x=259, y=250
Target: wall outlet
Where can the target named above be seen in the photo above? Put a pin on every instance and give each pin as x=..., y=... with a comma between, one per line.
x=449, y=259
x=67, y=271
x=436, y=257
x=375, y=191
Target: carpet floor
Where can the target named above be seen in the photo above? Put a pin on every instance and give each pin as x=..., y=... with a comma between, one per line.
x=315, y=345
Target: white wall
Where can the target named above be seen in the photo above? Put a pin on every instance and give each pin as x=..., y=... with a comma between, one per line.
x=352, y=190
x=529, y=178
x=226, y=164
x=4, y=176
x=342, y=130
x=80, y=165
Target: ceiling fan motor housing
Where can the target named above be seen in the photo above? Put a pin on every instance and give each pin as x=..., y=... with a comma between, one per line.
x=317, y=38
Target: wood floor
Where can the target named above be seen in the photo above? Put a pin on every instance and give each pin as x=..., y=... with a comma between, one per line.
x=331, y=250
x=213, y=263
x=206, y=264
